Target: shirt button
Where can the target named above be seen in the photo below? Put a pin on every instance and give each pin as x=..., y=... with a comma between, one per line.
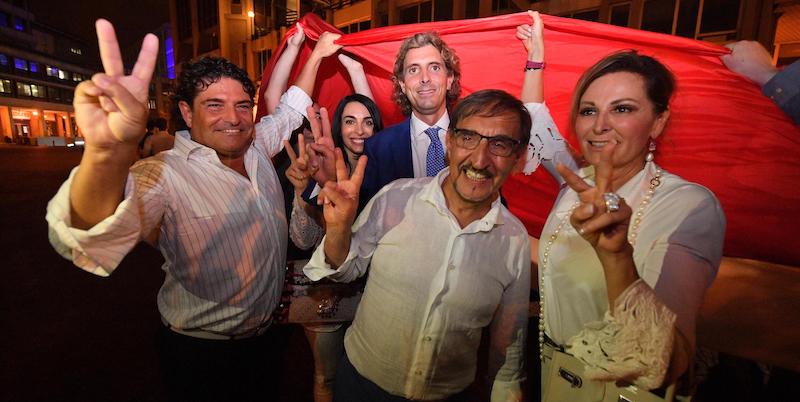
x=427, y=339
x=451, y=267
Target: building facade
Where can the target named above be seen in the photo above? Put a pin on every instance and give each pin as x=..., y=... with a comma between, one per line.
x=248, y=32
x=39, y=69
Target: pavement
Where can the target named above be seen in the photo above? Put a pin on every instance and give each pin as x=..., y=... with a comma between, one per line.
x=72, y=336
x=68, y=335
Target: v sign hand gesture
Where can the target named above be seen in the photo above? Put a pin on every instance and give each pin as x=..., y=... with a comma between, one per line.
x=320, y=153
x=111, y=111
x=299, y=172
x=339, y=210
x=605, y=229
x=341, y=196
x=111, y=108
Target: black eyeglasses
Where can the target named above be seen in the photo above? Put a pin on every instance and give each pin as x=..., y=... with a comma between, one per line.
x=499, y=145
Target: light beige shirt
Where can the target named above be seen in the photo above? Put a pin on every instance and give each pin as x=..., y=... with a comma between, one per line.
x=432, y=288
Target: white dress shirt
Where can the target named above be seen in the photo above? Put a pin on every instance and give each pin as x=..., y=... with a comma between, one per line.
x=432, y=288
x=420, y=142
x=223, y=237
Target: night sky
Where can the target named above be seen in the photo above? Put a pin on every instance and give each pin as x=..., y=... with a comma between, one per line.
x=132, y=19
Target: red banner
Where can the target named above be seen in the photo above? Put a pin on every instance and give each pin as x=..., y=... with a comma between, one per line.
x=723, y=133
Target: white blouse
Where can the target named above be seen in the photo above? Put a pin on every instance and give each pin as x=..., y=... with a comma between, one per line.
x=677, y=254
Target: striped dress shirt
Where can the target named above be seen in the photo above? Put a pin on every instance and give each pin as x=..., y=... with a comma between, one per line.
x=223, y=237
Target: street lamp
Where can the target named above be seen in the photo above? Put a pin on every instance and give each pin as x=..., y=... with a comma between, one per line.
x=252, y=16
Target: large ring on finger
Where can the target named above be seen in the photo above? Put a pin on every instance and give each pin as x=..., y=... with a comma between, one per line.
x=612, y=201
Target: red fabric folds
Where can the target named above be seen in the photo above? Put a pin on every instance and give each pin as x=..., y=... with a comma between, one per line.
x=723, y=133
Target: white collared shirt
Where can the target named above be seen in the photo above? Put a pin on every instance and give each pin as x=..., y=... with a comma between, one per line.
x=420, y=142
x=223, y=237
x=432, y=288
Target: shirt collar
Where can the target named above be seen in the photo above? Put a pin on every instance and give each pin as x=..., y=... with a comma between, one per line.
x=433, y=193
x=418, y=126
x=185, y=146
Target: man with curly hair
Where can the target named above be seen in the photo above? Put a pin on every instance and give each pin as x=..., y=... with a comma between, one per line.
x=212, y=205
x=426, y=81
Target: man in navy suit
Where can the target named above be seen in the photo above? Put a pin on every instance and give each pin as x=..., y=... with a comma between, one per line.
x=426, y=81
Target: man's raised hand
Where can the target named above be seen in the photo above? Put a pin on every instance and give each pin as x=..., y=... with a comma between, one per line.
x=111, y=108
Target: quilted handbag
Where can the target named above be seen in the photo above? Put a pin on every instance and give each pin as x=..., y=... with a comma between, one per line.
x=563, y=381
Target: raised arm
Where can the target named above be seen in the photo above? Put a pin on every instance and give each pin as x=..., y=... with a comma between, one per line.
x=283, y=67
x=305, y=225
x=750, y=60
x=533, y=39
x=357, y=76
x=546, y=147
x=324, y=48
x=111, y=111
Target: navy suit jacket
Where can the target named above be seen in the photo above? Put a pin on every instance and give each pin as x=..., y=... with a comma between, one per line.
x=389, y=159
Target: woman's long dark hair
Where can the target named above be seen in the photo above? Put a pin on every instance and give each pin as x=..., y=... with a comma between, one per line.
x=336, y=129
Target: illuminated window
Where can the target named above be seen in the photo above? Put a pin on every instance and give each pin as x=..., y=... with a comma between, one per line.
x=151, y=103
x=52, y=71
x=63, y=75
x=5, y=86
x=19, y=24
x=3, y=60
x=23, y=89
x=77, y=77
x=21, y=64
x=169, y=54
x=34, y=66
x=75, y=50
x=38, y=91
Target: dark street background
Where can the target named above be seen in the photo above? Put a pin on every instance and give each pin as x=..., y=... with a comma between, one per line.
x=68, y=335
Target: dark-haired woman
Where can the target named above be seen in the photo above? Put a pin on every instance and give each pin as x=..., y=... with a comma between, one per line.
x=356, y=119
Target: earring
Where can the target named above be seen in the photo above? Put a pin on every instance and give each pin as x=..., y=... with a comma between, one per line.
x=650, y=150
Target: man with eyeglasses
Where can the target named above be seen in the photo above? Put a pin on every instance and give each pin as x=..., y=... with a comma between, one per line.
x=446, y=259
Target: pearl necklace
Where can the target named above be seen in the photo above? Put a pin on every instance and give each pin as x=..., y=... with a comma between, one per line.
x=654, y=183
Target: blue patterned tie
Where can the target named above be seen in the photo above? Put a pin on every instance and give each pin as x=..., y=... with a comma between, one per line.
x=434, y=161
